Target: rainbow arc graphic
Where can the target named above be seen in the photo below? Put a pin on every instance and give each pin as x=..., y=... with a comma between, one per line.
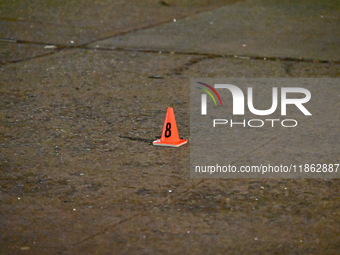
x=211, y=92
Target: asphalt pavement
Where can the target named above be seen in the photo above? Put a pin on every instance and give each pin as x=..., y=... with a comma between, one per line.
x=84, y=88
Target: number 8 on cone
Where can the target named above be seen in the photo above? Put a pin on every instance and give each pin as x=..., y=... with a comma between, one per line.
x=170, y=136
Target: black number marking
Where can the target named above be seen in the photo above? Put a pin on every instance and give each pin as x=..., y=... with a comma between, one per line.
x=167, y=130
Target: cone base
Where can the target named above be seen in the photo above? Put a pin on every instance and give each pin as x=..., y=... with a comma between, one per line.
x=176, y=144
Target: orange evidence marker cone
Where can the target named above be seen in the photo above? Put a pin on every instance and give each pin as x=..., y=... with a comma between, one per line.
x=170, y=135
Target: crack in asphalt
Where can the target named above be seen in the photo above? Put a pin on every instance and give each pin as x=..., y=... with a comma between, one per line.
x=203, y=56
x=104, y=230
x=212, y=55
x=137, y=139
x=27, y=59
x=182, y=68
x=60, y=47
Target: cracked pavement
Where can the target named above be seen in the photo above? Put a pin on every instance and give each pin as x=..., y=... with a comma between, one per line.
x=84, y=89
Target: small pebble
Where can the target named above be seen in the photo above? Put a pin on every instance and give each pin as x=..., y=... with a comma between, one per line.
x=74, y=209
x=170, y=190
x=255, y=239
x=19, y=198
x=175, y=20
x=24, y=248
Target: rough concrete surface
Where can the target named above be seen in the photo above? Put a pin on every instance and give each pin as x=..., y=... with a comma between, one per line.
x=78, y=173
x=251, y=28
